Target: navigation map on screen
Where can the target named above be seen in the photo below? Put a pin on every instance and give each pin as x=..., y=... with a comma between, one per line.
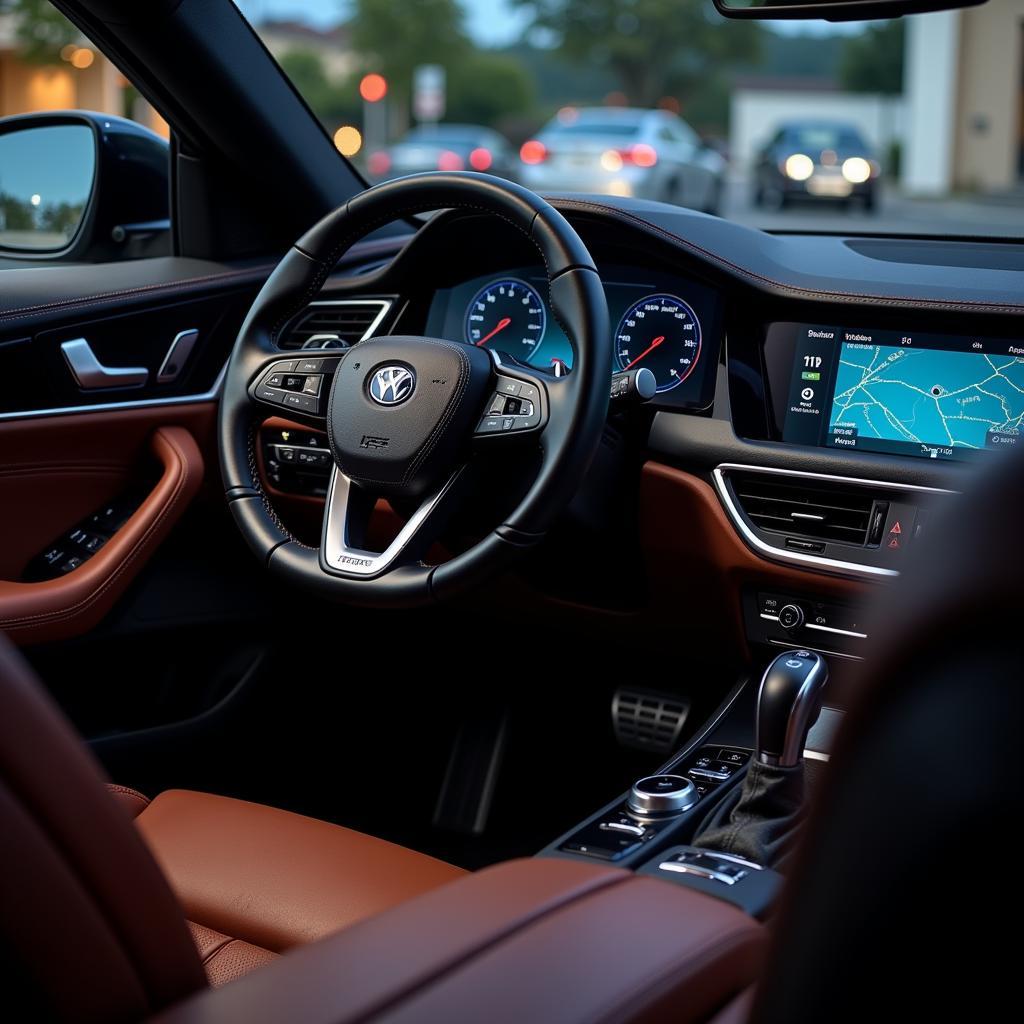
x=927, y=396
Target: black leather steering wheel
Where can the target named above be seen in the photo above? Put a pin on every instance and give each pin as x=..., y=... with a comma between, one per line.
x=403, y=414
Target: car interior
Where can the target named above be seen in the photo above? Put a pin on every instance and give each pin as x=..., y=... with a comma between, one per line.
x=439, y=601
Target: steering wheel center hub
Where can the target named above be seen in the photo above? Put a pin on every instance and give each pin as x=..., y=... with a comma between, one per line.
x=402, y=409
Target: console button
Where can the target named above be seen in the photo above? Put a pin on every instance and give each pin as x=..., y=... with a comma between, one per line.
x=730, y=756
x=791, y=616
x=53, y=556
x=769, y=604
x=71, y=563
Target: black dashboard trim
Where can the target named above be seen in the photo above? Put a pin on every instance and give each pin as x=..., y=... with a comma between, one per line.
x=777, y=285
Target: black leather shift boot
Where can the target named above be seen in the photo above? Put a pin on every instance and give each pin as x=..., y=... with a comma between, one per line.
x=759, y=821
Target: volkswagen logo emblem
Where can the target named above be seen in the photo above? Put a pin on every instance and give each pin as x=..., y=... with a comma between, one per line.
x=391, y=385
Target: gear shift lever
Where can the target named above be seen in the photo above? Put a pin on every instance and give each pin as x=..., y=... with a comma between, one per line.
x=759, y=821
x=787, y=704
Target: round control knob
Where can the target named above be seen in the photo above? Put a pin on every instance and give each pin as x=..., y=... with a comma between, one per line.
x=791, y=617
x=662, y=794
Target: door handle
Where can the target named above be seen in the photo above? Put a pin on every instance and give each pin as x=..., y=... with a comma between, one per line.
x=92, y=375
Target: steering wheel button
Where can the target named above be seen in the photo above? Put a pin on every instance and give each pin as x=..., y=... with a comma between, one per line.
x=508, y=423
x=308, y=365
x=497, y=406
x=507, y=386
x=490, y=425
x=311, y=385
x=275, y=380
x=265, y=394
x=304, y=403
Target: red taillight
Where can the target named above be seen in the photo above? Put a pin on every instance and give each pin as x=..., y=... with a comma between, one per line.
x=378, y=163
x=533, y=151
x=480, y=159
x=640, y=154
x=449, y=161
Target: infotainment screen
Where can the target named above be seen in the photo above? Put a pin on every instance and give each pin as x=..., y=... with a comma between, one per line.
x=936, y=396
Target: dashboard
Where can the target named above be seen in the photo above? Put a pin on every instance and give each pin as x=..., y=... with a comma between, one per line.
x=820, y=399
x=668, y=323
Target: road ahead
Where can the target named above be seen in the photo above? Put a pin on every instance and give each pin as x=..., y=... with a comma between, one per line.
x=895, y=215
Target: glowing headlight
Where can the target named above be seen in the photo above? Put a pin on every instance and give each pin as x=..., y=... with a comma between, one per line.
x=611, y=160
x=799, y=167
x=856, y=170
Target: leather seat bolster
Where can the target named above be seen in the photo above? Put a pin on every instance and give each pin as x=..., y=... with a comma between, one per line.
x=133, y=802
x=537, y=940
x=276, y=879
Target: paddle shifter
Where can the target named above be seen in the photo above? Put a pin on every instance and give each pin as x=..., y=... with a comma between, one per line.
x=759, y=822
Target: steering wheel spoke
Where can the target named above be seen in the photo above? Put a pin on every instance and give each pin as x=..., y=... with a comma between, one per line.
x=346, y=519
x=517, y=406
x=298, y=386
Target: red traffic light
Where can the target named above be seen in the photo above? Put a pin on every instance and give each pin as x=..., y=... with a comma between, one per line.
x=373, y=87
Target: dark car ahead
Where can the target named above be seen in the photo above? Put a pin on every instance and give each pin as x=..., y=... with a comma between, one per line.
x=444, y=147
x=826, y=160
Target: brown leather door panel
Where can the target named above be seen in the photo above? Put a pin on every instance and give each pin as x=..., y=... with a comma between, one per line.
x=56, y=471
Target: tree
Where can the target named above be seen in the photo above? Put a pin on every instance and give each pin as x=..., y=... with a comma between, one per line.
x=394, y=38
x=330, y=102
x=487, y=87
x=40, y=29
x=873, y=60
x=655, y=48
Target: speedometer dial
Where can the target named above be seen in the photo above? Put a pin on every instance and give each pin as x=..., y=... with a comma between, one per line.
x=507, y=314
x=662, y=333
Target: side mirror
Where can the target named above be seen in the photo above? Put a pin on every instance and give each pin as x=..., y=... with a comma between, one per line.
x=82, y=186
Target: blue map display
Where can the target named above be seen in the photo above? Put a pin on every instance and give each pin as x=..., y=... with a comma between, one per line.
x=927, y=396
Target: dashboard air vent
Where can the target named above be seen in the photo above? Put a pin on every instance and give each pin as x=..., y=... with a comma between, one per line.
x=335, y=324
x=798, y=508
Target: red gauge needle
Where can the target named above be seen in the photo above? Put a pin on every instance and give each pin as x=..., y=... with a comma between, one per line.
x=650, y=348
x=501, y=325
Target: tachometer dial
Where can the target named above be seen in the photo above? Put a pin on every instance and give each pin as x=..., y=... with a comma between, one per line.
x=662, y=333
x=509, y=315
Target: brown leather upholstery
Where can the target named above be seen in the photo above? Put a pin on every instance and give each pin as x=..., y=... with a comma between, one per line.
x=89, y=928
x=133, y=802
x=276, y=879
x=73, y=603
x=533, y=940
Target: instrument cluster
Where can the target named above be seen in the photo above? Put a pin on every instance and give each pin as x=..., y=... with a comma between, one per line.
x=669, y=325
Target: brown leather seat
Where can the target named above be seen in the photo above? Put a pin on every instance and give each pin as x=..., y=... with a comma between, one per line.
x=252, y=881
x=255, y=881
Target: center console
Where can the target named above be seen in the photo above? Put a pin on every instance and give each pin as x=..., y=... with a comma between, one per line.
x=719, y=813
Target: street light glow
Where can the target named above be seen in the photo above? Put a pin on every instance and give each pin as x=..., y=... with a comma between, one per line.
x=348, y=140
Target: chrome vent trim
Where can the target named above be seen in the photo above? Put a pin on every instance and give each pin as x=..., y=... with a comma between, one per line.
x=798, y=558
x=797, y=508
x=352, y=320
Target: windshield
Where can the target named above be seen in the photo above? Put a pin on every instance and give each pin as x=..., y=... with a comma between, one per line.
x=911, y=126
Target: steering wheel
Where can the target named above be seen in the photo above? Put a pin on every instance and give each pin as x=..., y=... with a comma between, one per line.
x=405, y=414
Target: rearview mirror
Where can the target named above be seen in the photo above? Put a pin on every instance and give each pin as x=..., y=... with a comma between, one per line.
x=47, y=177
x=834, y=10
